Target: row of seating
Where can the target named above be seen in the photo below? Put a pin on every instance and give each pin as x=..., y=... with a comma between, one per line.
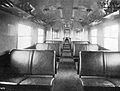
x=76, y=48
x=84, y=47
x=99, y=71
x=72, y=52
x=52, y=41
x=50, y=46
x=74, y=42
x=27, y=70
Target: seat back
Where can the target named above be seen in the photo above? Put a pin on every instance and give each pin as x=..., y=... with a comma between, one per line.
x=53, y=41
x=57, y=42
x=55, y=47
x=42, y=46
x=49, y=46
x=80, y=42
x=84, y=47
x=20, y=61
x=78, y=48
x=43, y=62
x=91, y=63
x=112, y=61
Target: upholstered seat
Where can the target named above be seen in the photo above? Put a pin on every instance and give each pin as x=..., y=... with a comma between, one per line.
x=38, y=81
x=28, y=68
x=93, y=71
x=12, y=80
x=96, y=82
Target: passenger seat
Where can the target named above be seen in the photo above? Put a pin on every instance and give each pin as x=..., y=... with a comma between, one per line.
x=29, y=70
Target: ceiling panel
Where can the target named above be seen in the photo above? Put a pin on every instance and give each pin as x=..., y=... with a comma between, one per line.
x=65, y=11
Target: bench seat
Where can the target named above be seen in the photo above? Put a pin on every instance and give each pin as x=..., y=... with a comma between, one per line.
x=28, y=70
x=115, y=81
x=96, y=81
x=97, y=84
x=38, y=81
x=12, y=80
x=100, y=70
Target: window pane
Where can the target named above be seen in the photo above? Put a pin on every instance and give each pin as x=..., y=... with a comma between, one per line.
x=40, y=39
x=111, y=37
x=94, y=32
x=111, y=44
x=115, y=27
x=114, y=33
x=77, y=34
x=24, y=42
x=40, y=32
x=24, y=30
x=111, y=31
x=40, y=35
x=106, y=32
x=94, y=40
x=55, y=34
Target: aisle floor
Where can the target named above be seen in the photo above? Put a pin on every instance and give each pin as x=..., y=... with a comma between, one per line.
x=67, y=78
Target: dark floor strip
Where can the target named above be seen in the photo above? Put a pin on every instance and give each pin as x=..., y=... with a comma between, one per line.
x=66, y=78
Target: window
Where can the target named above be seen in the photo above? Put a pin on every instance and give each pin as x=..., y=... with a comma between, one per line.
x=93, y=36
x=24, y=36
x=67, y=33
x=77, y=34
x=111, y=37
x=56, y=34
x=40, y=35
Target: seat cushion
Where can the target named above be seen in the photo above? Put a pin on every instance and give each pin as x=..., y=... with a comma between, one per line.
x=11, y=80
x=96, y=82
x=38, y=81
x=115, y=81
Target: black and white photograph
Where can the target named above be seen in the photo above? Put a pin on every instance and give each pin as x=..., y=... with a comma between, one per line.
x=59, y=45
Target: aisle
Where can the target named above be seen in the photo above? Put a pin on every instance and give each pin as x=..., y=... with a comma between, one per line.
x=66, y=78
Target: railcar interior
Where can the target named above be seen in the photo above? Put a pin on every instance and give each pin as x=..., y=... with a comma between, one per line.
x=59, y=45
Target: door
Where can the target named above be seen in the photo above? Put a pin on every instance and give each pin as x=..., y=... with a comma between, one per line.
x=67, y=33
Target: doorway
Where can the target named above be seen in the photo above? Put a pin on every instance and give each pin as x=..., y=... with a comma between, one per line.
x=67, y=33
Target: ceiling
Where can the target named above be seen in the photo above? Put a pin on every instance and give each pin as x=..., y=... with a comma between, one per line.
x=67, y=13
